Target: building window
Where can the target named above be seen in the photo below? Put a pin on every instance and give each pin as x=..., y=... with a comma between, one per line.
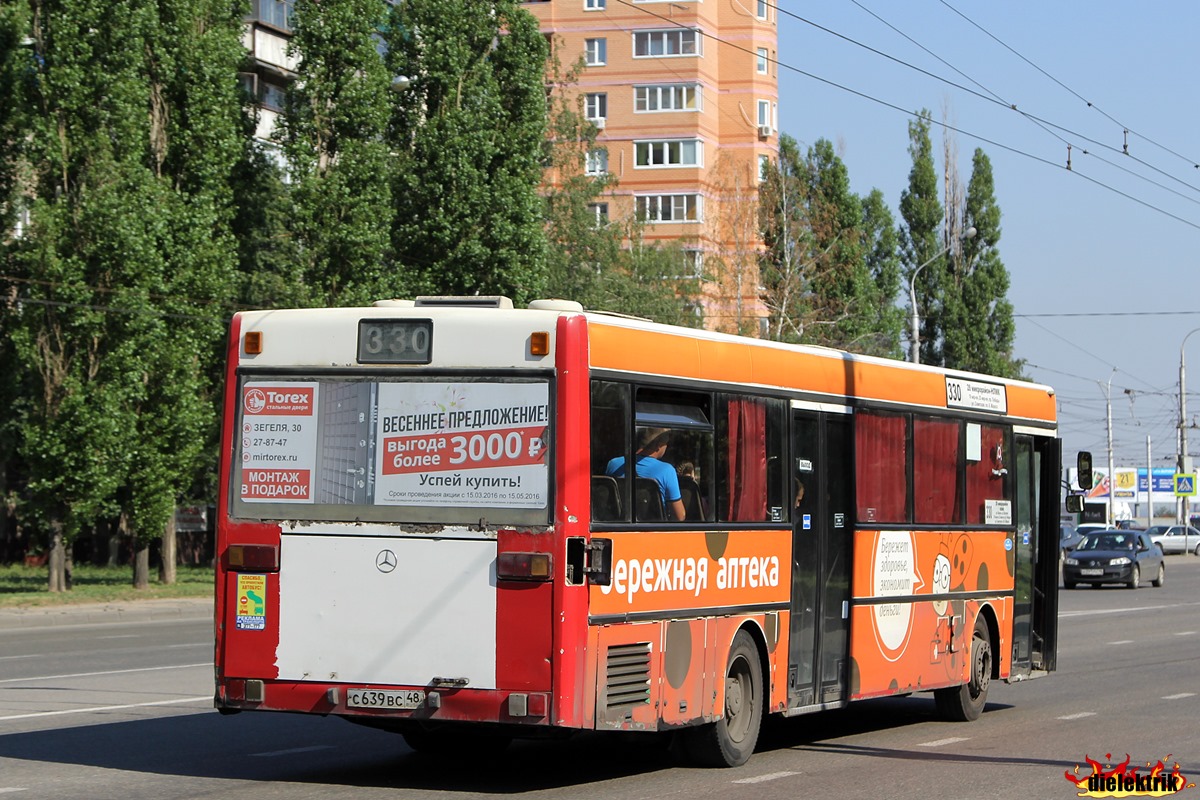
x=764, y=167
x=594, y=5
x=761, y=9
x=595, y=105
x=597, y=162
x=667, y=97
x=669, y=208
x=677, y=42
x=595, y=52
x=766, y=117
x=276, y=13
x=600, y=211
x=271, y=95
x=679, y=153
x=762, y=61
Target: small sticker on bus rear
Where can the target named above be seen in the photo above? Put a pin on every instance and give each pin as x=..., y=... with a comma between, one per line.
x=251, y=611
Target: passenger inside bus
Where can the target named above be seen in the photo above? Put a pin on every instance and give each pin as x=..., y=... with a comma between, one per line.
x=648, y=463
x=694, y=507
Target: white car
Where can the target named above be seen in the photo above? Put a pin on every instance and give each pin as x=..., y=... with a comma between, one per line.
x=1176, y=538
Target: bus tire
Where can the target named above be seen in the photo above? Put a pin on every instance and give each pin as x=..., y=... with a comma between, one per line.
x=965, y=703
x=730, y=741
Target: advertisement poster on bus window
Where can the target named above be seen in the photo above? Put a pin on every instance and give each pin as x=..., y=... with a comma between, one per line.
x=468, y=444
x=279, y=442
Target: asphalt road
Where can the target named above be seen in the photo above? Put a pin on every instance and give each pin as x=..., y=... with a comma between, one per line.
x=122, y=711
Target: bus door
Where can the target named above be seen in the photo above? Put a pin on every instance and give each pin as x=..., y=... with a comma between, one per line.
x=1035, y=604
x=821, y=538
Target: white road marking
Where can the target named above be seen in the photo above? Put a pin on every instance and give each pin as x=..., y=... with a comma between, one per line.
x=292, y=751
x=770, y=776
x=1080, y=715
x=122, y=636
x=34, y=678
x=7, y=789
x=944, y=742
x=1122, y=641
x=14, y=658
x=1185, y=633
x=1179, y=696
x=1128, y=610
x=176, y=701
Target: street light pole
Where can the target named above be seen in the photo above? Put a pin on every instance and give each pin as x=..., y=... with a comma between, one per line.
x=1111, y=478
x=914, y=334
x=1184, y=465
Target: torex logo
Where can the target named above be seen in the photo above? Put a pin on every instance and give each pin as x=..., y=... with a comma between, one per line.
x=278, y=400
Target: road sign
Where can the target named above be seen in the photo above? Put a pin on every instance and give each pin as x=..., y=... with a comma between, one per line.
x=1185, y=485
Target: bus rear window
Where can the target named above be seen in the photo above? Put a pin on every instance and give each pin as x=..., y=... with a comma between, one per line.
x=405, y=451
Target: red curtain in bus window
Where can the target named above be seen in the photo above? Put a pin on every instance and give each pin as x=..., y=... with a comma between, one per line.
x=747, y=461
x=936, y=493
x=985, y=478
x=881, y=468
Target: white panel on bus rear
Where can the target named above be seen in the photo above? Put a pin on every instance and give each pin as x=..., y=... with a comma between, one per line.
x=387, y=610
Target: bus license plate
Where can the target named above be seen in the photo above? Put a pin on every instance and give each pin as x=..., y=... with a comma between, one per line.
x=1091, y=572
x=385, y=698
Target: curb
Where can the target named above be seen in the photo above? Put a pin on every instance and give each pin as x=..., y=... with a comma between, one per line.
x=190, y=609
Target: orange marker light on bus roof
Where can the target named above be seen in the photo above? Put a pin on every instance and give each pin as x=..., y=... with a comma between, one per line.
x=539, y=343
x=252, y=343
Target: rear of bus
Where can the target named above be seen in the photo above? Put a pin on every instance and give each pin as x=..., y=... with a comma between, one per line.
x=387, y=534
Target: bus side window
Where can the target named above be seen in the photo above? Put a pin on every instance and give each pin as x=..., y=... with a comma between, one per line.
x=610, y=429
x=881, y=467
x=750, y=458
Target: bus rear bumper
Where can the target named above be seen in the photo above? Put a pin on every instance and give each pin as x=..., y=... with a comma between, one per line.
x=429, y=704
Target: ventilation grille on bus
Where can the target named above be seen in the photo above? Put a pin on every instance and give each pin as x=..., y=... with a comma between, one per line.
x=627, y=675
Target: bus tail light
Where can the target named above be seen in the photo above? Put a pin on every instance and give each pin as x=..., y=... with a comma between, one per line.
x=539, y=343
x=523, y=566
x=256, y=557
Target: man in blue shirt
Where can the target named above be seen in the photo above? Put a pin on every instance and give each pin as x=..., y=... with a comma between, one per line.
x=648, y=464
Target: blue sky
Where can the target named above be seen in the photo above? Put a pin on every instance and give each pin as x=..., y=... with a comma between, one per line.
x=1075, y=249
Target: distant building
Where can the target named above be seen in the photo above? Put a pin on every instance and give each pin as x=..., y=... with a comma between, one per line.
x=685, y=93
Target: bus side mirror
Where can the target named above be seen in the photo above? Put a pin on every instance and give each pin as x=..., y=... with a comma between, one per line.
x=1083, y=465
x=1075, y=503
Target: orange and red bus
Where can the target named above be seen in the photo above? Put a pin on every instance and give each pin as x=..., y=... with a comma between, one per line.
x=425, y=526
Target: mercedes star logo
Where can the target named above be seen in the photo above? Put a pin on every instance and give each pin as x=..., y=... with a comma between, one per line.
x=385, y=561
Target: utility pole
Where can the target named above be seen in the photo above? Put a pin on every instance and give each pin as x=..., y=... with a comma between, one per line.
x=1107, y=387
x=1184, y=464
x=1149, y=486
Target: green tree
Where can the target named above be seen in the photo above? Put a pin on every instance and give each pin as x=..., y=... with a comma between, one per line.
x=82, y=260
x=130, y=125
x=841, y=285
x=921, y=212
x=784, y=267
x=468, y=135
x=582, y=241
x=196, y=139
x=333, y=137
x=884, y=319
x=980, y=329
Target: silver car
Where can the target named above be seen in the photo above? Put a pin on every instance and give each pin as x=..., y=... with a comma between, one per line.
x=1176, y=538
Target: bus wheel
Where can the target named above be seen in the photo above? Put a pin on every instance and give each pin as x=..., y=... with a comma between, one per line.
x=729, y=742
x=965, y=703
x=448, y=742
